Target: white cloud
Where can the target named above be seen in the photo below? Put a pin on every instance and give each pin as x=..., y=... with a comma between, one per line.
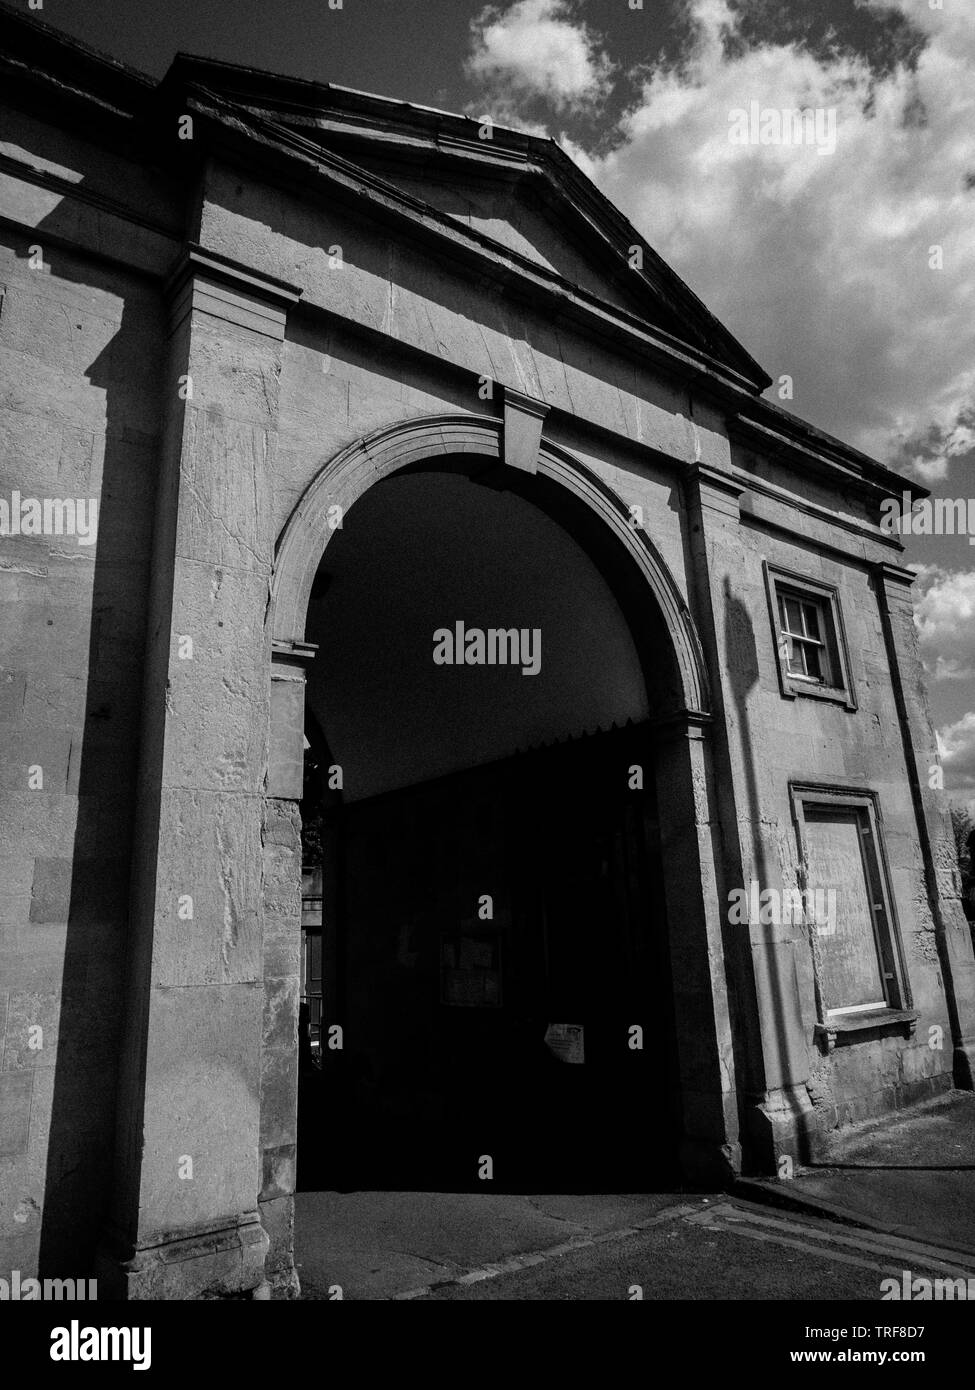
x=945, y=618
x=941, y=446
x=820, y=263
x=537, y=48
x=929, y=471
x=957, y=746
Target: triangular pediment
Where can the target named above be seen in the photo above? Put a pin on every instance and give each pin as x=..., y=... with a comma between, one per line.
x=517, y=192
x=521, y=218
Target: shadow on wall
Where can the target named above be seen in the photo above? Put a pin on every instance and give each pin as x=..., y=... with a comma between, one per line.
x=741, y=661
x=87, y=893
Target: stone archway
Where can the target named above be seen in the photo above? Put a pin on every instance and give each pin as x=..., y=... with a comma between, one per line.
x=347, y=476
x=521, y=459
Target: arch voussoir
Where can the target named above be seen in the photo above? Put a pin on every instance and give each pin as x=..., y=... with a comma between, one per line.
x=393, y=447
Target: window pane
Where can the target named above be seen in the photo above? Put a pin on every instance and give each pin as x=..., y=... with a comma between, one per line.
x=848, y=965
x=805, y=658
x=793, y=615
x=812, y=661
x=811, y=614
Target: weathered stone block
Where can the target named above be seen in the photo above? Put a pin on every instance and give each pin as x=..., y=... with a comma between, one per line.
x=279, y=1092
x=278, y=1172
x=32, y=1030
x=41, y=761
x=202, y=1105
x=210, y=867
x=51, y=890
x=210, y=1263
x=281, y=1013
x=13, y=685
x=285, y=761
x=15, y=1094
x=277, y=1218
x=225, y=463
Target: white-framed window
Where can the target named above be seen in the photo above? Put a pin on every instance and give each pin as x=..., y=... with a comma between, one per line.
x=802, y=623
x=809, y=638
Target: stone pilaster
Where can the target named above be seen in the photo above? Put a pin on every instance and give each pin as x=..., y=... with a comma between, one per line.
x=185, y=1219
x=282, y=961
x=935, y=835
x=771, y=1047
x=710, y=1149
x=279, y=1051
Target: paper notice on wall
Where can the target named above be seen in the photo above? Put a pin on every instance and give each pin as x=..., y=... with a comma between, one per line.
x=567, y=1042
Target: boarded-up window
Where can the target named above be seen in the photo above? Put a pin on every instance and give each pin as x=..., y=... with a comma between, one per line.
x=841, y=857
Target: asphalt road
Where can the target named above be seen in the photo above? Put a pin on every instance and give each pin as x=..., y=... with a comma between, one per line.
x=721, y=1253
x=460, y=1247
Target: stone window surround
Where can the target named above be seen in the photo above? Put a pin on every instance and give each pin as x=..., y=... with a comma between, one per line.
x=826, y=596
x=900, y=1014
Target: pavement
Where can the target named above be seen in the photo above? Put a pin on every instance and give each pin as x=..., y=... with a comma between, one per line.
x=725, y=1250
x=913, y=1176
x=379, y=1245
x=448, y=1247
x=892, y=1195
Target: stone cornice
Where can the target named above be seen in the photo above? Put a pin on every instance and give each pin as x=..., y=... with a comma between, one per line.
x=897, y=574
x=774, y=433
x=47, y=71
x=319, y=173
x=594, y=222
x=67, y=188
x=706, y=475
x=750, y=418
x=402, y=128
x=130, y=99
x=213, y=284
x=289, y=658
x=195, y=260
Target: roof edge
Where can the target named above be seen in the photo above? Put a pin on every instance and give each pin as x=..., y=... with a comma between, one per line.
x=44, y=54
x=88, y=70
x=601, y=214
x=778, y=431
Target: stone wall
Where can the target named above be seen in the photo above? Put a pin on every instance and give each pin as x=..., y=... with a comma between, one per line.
x=279, y=1058
x=80, y=352
x=197, y=408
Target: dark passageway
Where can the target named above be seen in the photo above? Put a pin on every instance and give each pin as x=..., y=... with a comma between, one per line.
x=510, y=1035
x=493, y=942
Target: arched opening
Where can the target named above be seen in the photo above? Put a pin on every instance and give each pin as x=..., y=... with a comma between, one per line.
x=484, y=914
x=563, y=813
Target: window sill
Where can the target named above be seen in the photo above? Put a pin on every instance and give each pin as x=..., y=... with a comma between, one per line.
x=845, y=1030
x=834, y=693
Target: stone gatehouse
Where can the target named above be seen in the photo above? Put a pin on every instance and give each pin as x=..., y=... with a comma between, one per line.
x=296, y=384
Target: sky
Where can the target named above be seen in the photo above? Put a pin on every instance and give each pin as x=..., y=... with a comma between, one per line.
x=845, y=264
